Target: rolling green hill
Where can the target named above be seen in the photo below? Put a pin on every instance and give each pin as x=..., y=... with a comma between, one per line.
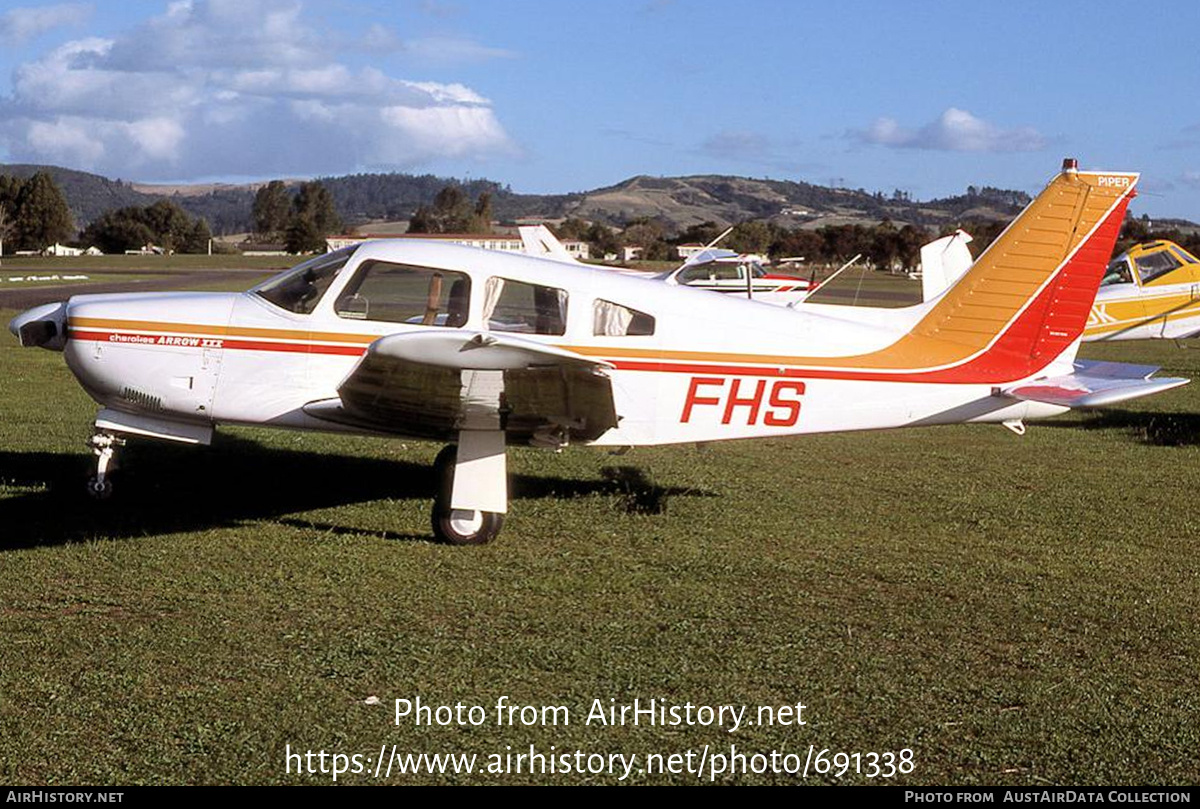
x=676, y=202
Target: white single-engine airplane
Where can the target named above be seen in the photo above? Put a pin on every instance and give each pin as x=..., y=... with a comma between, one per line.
x=482, y=350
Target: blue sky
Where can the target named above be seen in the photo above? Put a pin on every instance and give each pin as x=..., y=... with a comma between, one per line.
x=569, y=95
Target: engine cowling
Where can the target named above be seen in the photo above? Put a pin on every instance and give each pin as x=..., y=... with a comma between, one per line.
x=43, y=326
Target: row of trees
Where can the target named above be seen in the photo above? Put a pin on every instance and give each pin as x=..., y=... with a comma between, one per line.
x=163, y=224
x=884, y=245
x=453, y=212
x=33, y=213
x=301, y=221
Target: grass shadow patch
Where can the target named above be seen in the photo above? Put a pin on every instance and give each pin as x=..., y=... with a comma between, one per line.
x=632, y=489
x=1156, y=429
x=165, y=488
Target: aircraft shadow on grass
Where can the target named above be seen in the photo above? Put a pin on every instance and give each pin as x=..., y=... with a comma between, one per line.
x=1158, y=429
x=164, y=488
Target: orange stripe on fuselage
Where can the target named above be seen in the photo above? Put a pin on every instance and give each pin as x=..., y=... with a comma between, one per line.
x=221, y=331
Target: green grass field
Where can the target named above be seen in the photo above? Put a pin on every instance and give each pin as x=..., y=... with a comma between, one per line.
x=1014, y=610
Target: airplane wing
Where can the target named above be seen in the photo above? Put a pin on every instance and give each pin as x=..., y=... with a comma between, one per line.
x=435, y=383
x=1095, y=384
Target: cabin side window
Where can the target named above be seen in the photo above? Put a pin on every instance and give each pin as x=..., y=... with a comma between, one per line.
x=1117, y=273
x=399, y=293
x=614, y=320
x=518, y=306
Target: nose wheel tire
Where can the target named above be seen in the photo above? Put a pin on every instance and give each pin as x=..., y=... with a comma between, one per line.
x=99, y=489
x=458, y=526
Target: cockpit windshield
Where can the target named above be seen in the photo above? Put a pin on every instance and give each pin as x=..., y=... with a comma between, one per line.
x=300, y=289
x=1152, y=265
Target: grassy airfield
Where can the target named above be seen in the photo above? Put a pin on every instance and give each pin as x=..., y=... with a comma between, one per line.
x=1013, y=610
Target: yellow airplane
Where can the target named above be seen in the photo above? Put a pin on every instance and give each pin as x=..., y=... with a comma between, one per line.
x=1150, y=291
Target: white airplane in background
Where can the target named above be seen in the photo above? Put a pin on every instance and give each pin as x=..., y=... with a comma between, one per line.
x=482, y=350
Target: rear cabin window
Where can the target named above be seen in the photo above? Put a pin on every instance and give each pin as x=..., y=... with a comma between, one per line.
x=300, y=289
x=517, y=306
x=614, y=320
x=399, y=293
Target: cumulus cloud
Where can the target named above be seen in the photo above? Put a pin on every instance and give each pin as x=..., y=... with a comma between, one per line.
x=19, y=25
x=233, y=87
x=954, y=130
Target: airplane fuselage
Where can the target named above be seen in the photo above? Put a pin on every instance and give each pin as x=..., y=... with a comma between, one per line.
x=714, y=368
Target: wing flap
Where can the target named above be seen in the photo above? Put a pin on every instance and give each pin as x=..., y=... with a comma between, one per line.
x=1096, y=384
x=434, y=384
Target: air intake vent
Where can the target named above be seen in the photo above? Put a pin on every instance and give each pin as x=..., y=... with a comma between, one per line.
x=140, y=399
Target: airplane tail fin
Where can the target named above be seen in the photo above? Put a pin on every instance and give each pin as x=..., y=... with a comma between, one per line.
x=1025, y=301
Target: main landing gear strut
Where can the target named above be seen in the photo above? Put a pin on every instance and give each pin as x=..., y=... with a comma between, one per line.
x=472, y=493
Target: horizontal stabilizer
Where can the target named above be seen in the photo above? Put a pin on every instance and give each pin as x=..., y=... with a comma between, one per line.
x=1096, y=384
x=478, y=351
x=537, y=240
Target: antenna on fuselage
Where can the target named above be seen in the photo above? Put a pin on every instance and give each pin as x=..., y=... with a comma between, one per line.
x=825, y=283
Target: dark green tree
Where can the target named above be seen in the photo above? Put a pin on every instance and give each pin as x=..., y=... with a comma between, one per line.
x=197, y=238
x=703, y=233
x=313, y=218
x=42, y=217
x=272, y=207
x=453, y=212
x=6, y=224
x=602, y=241
x=749, y=237
x=164, y=224
x=118, y=231
x=303, y=237
x=481, y=221
x=572, y=228
x=169, y=224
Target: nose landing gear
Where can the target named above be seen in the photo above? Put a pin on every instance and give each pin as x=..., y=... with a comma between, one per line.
x=104, y=446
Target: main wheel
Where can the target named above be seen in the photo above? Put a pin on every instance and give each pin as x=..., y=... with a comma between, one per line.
x=459, y=526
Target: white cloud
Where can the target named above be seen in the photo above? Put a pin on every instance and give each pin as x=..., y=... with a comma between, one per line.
x=954, y=130
x=19, y=25
x=233, y=87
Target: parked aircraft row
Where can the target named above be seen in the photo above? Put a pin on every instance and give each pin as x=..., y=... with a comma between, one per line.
x=482, y=351
x=1150, y=291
